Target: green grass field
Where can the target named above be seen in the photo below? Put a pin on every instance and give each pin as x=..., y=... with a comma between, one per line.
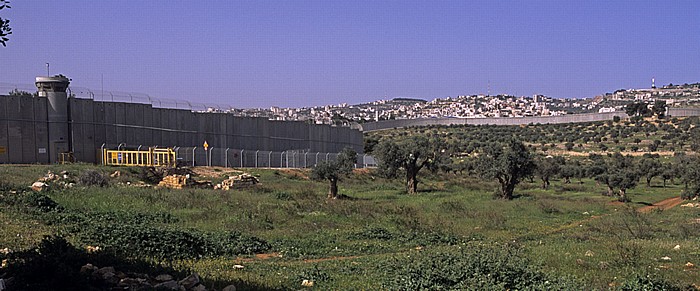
x=372, y=240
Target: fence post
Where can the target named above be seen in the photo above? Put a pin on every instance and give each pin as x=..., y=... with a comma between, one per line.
x=316, y=164
x=104, y=156
x=242, y=158
x=194, y=148
x=281, y=161
x=269, y=160
x=138, y=155
x=256, y=159
x=287, y=155
x=305, y=155
x=226, y=157
x=210, y=154
x=327, y=156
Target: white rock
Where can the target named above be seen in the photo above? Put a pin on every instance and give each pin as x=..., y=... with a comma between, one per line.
x=666, y=258
x=307, y=283
x=677, y=247
x=229, y=288
x=238, y=266
x=39, y=186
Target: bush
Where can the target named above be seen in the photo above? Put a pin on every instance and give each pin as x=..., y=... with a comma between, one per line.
x=93, y=178
x=471, y=268
x=649, y=282
x=41, y=202
x=150, y=175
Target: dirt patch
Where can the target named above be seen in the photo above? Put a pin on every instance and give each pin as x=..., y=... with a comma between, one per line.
x=303, y=174
x=257, y=257
x=663, y=205
x=215, y=171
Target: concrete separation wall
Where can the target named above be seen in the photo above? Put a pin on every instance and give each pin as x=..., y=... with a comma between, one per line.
x=94, y=124
x=572, y=118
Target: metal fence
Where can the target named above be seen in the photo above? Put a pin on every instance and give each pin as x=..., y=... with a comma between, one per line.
x=238, y=158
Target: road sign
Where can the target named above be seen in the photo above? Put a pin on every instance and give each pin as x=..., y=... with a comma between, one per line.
x=206, y=145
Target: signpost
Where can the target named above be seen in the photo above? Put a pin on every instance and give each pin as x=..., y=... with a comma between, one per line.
x=206, y=153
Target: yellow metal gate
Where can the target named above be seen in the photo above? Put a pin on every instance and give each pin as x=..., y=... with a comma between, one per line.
x=154, y=157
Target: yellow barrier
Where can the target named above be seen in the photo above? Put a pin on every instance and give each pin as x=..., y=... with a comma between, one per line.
x=154, y=157
x=66, y=158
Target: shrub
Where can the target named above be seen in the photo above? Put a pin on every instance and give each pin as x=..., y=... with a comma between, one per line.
x=93, y=178
x=150, y=175
x=41, y=202
x=476, y=267
x=649, y=282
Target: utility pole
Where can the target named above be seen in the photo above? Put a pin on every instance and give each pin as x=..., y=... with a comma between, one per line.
x=47, y=70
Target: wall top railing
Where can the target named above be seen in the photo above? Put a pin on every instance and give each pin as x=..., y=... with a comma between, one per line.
x=130, y=97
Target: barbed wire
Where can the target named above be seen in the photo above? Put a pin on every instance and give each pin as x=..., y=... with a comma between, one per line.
x=120, y=96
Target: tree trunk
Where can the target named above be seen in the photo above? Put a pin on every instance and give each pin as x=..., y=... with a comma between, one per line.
x=333, y=189
x=507, y=190
x=648, y=182
x=411, y=182
x=610, y=191
x=664, y=183
x=623, y=195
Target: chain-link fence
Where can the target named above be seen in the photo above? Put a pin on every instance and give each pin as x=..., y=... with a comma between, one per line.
x=237, y=158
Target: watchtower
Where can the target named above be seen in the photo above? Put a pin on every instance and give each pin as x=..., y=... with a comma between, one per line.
x=54, y=89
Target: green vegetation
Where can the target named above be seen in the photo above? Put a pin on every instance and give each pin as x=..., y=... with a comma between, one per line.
x=562, y=230
x=452, y=234
x=5, y=29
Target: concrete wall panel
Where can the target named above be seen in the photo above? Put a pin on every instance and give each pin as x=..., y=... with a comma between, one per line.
x=14, y=131
x=26, y=113
x=4, y=146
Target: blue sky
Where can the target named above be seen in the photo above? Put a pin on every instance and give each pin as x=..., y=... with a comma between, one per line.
x=306, y=53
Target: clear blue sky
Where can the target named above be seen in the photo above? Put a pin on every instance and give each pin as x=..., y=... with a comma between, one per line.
x=305, y=53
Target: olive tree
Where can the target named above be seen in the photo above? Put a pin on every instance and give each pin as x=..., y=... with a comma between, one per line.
x=546, y=168
x=5, y=28
x=617, y=172
x=409, y=155
x=508, y=164
x=334, y=170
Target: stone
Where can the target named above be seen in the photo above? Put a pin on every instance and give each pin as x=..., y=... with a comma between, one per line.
x=167, y=285
x=190, y=281
x=104, y=270
x=589, y=253
x=666, y=258
x=110, y=278
x=164, y=277
x=199, y=287
x=229, y=288
x=689, y=265
x=131, y=282
x=238, y=266
x=677, y=247
x=88, y=269
x=116, y=174
x=39, y=186
x=307, y=283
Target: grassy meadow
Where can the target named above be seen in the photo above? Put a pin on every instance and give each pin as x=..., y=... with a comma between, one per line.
x=284, y=230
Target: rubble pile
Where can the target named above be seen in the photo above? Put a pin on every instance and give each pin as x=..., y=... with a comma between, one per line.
x=177, y=181
x=63, y=180
x=238, y=181
x=109, y=277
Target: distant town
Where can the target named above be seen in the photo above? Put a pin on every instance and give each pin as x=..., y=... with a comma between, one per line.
x=478, y=106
